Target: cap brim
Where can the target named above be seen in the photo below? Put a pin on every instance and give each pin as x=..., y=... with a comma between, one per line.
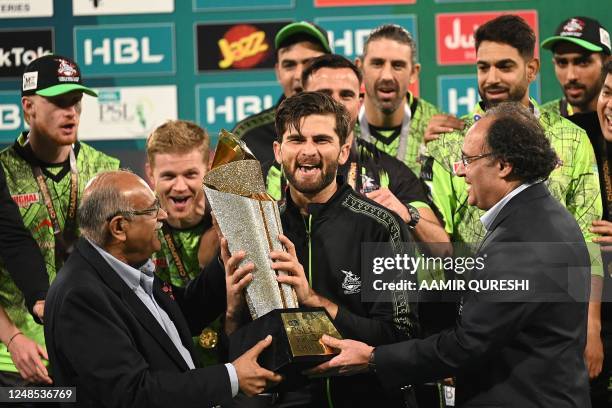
x=301, y=28
x=550, y=42
x=56, y=90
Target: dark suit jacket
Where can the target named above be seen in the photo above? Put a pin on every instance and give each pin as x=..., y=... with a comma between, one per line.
x=102, y=339
x=513, y=349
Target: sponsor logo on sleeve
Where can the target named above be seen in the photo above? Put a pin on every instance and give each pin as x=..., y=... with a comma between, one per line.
x=24, y=200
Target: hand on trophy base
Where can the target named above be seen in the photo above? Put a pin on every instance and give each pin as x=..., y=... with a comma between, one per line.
x=252, y=378
x=354, y=358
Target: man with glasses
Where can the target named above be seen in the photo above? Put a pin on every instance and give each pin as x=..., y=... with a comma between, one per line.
x=119, y=335
x=506, y=65
x=46, y=170
x=513, y=348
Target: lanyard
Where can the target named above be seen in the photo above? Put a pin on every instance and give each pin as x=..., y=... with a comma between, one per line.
x=63, y=242
x=170, y=241
x=403, y=137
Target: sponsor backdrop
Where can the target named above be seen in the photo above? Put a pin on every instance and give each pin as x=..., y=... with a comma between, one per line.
x=211, y=61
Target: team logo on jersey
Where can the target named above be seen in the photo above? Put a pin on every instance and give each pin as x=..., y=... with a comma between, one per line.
x=24, y=200
x=351, y=283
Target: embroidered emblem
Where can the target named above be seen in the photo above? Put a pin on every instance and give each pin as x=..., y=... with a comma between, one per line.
x=351, y=283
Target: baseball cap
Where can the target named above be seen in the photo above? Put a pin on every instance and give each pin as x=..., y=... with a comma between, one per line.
x=583, y=31
x=318, y=34
x=53, y=75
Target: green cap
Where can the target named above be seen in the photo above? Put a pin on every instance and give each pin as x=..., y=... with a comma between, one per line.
x=318, y=34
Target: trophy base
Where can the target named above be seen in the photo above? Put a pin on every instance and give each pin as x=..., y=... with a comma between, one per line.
x=296, y=344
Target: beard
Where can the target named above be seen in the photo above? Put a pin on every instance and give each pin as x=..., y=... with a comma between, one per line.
x=388, y=106
x=587, y=97
x=515, y=94
x=328, y=175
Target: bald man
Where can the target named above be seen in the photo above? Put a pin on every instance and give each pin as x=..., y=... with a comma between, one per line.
x=118, y=333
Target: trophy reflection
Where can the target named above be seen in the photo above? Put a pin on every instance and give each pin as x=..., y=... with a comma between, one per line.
x=250, y=221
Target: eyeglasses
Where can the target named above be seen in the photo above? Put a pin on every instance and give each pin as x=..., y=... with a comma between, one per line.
x=465, y=160
x=152, y=210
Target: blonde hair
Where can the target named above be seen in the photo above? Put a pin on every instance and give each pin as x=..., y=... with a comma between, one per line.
x=177, y=136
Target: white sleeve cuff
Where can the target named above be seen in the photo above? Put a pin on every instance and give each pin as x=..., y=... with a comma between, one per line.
x=231, y=371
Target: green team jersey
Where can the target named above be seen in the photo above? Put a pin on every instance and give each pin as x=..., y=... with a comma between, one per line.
x=575, y=183
x=26, y=193
x=187, y=242
x=422, y=111
x=558, y=107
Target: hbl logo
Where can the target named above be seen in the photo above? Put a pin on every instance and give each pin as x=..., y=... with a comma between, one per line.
x=125, y=50
x=11, y=121
x=224, y=105
x=347, y=35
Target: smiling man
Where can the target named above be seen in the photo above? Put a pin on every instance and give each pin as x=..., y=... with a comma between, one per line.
x=177, y=161
x=506, y=65
x=325, y=222
x=46, y=169
x=513, y=349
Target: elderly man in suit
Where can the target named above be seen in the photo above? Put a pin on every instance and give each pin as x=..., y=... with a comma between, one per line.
x=116, y=332
x=521, y=348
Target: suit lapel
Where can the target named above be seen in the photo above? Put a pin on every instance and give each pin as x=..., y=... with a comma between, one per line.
x=176, y=315
x=530, y=193
x=133, y=303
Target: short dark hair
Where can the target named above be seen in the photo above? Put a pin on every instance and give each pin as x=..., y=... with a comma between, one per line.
x=508, y=29
x=393, y=32
x=293, y=109
x=334, y=61
x=607, y=68
x=515, y=136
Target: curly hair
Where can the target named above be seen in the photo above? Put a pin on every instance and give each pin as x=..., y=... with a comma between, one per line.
x=293, y=109
x=515, y=136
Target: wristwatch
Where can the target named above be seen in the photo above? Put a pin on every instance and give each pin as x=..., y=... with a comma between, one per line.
x=371, y=362
x=414, y=216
